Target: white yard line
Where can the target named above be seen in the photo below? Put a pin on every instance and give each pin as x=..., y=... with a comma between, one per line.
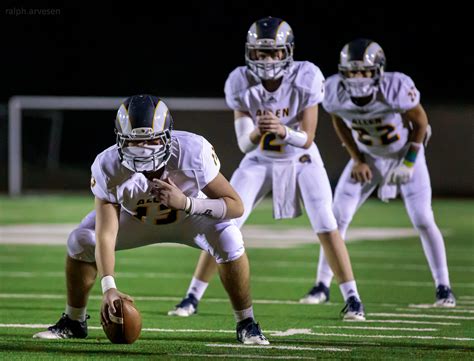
x=411, y=322
x=290, y=332
x=294, y=348
x=421, y=307
x=255, y=236
x=166, y=330
x=411, y=315
x=378, y=266
x=268, y=279
x=273, y=333
x=464, y=302
x=174, y=299
x=248, y=356
x=394, y=336
x=413, y=329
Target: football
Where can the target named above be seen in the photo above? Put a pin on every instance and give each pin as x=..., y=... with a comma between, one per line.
x=125, y=324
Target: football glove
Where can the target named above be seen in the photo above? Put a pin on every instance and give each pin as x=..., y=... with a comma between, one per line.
x=401, y=174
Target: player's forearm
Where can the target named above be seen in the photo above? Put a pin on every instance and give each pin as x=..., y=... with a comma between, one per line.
x=106, y=229
x=255, y=136
x=105, y=255
x=235, y=208
x=345, y=136
x=418, y=133
x=419, y=122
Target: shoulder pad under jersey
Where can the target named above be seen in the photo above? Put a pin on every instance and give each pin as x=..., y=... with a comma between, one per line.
x=399, y=91
x=239, y=80
x=197, y=155
x=332, y=98
x=107, y=174
x=310, y=79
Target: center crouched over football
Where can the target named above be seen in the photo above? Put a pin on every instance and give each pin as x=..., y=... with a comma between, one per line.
x=123, y=326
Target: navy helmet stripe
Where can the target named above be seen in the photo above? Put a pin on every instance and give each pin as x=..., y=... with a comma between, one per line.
x=267, y=28
x=141, y=111
x=356, y=49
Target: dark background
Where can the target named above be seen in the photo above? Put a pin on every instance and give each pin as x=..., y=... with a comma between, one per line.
x=123, y=48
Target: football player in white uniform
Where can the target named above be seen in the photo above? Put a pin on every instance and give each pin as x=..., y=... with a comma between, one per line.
x=155, y=185
x=382, y=125
x=275, y=102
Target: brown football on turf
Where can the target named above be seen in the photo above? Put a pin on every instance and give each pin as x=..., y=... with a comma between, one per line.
x=125, y=324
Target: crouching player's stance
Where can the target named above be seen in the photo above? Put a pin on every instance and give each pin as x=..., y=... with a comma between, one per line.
x=155, y=185
x=379, y=119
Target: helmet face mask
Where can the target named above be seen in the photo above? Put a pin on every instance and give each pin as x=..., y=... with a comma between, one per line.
x=143, y=127
x=361, y=65
x=272, y=36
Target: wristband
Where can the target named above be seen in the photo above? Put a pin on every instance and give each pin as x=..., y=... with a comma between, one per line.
x=215, y=208
x=107, y=283
x=412, y=153
x=187, y=206
x=296, y=138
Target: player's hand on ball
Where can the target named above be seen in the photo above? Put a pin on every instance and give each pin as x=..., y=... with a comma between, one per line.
x=108, y=303
x=361, y=172
x=169, y=194
x=270, y=123
x=400, y=174
x=124, y=325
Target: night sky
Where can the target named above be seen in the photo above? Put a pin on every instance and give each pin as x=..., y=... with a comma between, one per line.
x=121, y=50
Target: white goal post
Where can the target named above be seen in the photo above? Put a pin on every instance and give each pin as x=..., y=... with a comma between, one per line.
x=17, y=104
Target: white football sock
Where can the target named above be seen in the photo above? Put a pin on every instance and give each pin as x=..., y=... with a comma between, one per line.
x=197, y=288
x=76, y=314
x=243, y=314
x=349, y=289
x=324, y=274
x=435, y=252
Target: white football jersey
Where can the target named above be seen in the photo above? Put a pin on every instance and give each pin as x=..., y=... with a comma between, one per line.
x=301, y=87
x=192, y=165
x=377, y=127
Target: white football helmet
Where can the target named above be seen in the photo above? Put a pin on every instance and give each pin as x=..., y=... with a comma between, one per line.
x=144, y=118
x=362, y=55
x=269, y=34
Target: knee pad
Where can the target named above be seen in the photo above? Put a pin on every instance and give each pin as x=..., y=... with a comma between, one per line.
x=81, y=245
x=423, y=220
x=321, y=217
x=230, y=245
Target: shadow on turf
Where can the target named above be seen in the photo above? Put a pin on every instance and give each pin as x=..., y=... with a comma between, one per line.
x=66, y=348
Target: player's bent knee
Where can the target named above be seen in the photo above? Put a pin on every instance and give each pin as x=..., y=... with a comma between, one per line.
x=343, y=215
x=230, y=257
x=423, y=221
x=81, y=245
x=325, y=221
x=231, y=245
